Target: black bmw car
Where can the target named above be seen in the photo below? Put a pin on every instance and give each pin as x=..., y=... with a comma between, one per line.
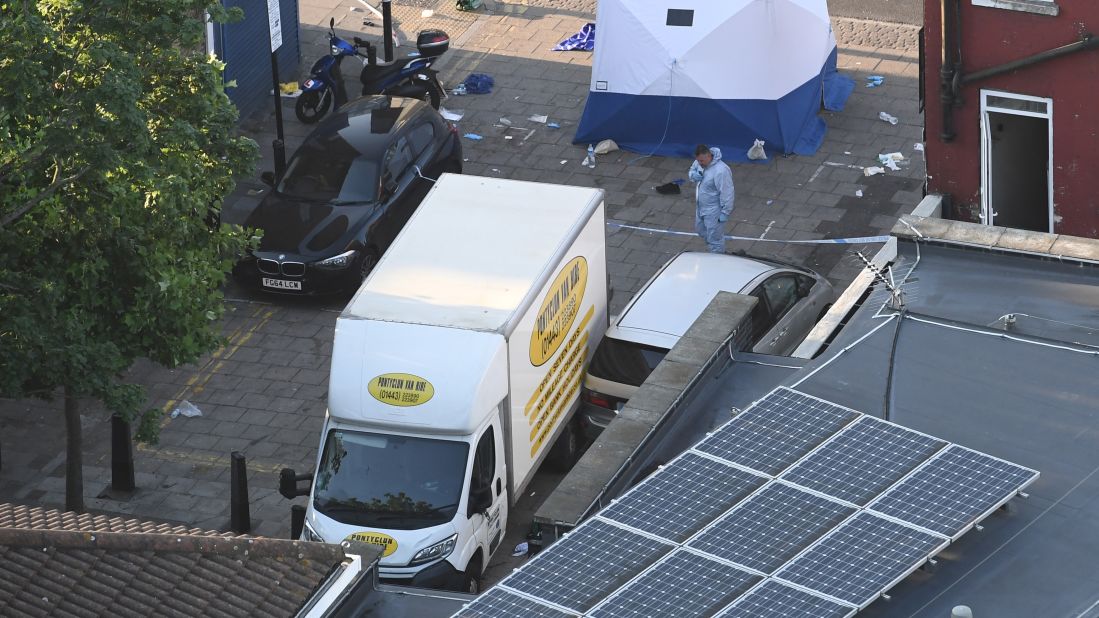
x=346, y=194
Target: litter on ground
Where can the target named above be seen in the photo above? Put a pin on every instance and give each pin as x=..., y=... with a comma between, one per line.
x=478, y=83
x=553, y=125
x=581, y=41
x=453, y=116
x=186, y=408
x=605, y=146
x=473, y=136
x=538, y=118
x=756, y=152
x=858, y=193
x=888, y=118
x=873, y=171
x=918, y=147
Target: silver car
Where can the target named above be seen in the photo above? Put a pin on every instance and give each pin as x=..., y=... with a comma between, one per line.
x=791, y=301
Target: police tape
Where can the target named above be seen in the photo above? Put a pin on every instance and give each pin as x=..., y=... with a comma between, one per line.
x=860, y=240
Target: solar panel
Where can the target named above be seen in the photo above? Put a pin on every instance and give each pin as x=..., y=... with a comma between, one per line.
x=857, y=505
x=954, y=490
x=861, y=559
x=499, y=603
x=771, y=527
x=683, y=497
x=864, y=460
x=776, y=431
x=683, y=585
x=774, y=599
x=586, y=565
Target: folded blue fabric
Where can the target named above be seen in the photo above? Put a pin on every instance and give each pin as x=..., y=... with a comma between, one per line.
x=581, y=41
x=479, y=83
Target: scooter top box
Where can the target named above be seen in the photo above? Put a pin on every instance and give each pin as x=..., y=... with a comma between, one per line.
x=432, y=42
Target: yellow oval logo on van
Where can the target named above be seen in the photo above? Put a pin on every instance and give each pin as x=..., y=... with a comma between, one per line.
x=558, y=311
x=401, y=389
x=388, y=543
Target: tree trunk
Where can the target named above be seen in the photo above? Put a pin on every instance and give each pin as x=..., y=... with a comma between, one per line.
x=74, y=469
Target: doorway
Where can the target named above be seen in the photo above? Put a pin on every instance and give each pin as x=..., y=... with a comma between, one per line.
x=1017, y=161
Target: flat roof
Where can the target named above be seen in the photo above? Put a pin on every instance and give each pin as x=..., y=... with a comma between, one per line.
x=1025, y=391
x=473, y=250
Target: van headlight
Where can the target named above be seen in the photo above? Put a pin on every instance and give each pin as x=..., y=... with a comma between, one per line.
x=439, y=550
x=309, y=534
x=342, y=260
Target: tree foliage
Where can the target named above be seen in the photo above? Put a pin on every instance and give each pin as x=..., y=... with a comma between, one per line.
x=117, y=146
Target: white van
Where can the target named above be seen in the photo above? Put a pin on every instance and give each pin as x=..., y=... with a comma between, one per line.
x=455, y=368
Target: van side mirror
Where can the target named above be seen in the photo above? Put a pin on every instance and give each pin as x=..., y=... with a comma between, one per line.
x=289, y=483
x=268, y=178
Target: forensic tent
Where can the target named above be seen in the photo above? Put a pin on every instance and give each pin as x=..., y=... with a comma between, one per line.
x=670, y=74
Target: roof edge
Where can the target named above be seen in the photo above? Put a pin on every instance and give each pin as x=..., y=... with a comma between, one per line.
x=243, y=547
x=915, y=227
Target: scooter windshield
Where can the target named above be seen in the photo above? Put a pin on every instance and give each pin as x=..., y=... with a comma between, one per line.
x=388, y=481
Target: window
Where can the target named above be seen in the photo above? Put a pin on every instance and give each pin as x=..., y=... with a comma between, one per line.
x=776, y=296
x=680, y=17
x=484, y=462
x=1041, y=7
x=625, y=362
x=397, y=159
x=420, y=138
x=781, y=292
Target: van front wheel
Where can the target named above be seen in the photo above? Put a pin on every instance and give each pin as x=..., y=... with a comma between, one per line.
x=471, y=580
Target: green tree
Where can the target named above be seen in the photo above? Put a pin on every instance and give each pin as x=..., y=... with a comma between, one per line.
x=117, y=147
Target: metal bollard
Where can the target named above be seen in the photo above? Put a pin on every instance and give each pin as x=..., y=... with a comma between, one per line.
x=297, y=521
x=279, y=147
x=239, y=518
x=122, y=455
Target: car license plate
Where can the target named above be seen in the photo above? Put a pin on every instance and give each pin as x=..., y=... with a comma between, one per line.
x=281, y=284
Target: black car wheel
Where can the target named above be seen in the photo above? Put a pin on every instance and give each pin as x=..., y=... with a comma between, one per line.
x=367, y=264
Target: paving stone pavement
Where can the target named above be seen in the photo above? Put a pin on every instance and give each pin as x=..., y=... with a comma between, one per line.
x=264, y=392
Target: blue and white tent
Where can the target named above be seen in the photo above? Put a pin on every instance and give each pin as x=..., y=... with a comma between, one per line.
x=667, y=76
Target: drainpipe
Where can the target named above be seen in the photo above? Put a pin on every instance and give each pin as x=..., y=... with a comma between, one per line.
x=950, y=60
x=1086, y=42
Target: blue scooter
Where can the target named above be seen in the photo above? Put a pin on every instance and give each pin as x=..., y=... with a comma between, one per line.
x=325, y=81
x=408, y=77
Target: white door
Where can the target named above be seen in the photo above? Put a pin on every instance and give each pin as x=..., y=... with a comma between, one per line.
x=1017, y=161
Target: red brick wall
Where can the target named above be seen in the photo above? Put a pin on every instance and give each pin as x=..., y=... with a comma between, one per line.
x=992, y=36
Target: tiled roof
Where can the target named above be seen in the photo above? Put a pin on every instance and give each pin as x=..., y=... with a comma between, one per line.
x=20, y=516
x=68, y=565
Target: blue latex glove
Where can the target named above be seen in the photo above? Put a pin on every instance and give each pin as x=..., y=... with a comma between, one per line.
x=722, y=218
x=695, y=172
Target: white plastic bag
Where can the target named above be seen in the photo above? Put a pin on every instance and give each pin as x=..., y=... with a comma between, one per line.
x=186, y=408
x=756, y=152
x=605, y=146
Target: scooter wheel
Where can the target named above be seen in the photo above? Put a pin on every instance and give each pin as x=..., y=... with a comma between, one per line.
x=427, y=94
x=312, y=106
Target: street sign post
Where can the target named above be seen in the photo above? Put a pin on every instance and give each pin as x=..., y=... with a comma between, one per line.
x=274, y=19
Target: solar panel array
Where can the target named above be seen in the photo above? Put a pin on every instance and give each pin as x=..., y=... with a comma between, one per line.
x=795, y=507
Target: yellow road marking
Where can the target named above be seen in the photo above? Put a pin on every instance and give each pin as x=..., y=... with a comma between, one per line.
x=169, y=453
x=197, y=383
